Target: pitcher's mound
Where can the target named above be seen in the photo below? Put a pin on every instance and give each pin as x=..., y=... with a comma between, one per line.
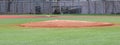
x=65, y=24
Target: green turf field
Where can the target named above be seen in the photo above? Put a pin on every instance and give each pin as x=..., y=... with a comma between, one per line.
x=10, y=34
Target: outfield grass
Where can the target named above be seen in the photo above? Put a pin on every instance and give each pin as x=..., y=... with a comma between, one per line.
x=10, y=34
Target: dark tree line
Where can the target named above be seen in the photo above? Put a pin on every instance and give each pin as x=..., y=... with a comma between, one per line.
x=106, y=4
x=9, y=2
x=88, y=3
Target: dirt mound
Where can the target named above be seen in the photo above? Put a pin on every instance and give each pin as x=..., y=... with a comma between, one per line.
x=65, y=23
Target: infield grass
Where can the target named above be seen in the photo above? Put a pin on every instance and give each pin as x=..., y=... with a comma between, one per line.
x=11, y=34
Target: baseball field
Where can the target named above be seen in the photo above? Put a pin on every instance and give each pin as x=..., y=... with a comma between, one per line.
x=13, y=34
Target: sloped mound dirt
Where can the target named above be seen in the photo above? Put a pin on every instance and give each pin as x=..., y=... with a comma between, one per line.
x=65, y=24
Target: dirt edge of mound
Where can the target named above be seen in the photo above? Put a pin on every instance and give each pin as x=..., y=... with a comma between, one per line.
x=65, y=24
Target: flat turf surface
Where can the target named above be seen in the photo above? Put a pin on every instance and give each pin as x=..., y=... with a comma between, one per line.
x=10, y=34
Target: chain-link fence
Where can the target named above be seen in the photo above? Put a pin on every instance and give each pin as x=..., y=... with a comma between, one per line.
x=59, y=6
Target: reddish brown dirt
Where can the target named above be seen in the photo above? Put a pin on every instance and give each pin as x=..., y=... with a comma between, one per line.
x=48, y=16
x=58, y=23
x=65, y=24
x=17, y=16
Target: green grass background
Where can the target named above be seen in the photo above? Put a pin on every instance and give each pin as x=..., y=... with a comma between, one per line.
x=11, y=34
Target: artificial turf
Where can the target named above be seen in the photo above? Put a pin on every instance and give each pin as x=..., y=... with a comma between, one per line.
x=11, y=34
